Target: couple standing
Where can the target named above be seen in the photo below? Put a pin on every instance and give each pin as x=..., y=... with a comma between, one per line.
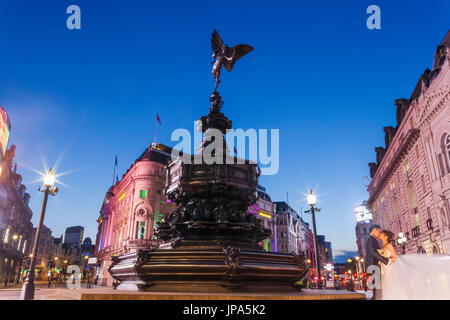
x=405, y=277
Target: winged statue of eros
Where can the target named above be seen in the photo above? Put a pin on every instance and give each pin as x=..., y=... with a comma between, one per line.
x=225, y=56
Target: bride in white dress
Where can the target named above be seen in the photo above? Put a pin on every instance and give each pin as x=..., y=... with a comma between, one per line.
x=413, y=276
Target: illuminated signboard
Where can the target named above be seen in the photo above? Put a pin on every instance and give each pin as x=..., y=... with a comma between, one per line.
x=362, y=213
x=265, y=214
x=5, y=129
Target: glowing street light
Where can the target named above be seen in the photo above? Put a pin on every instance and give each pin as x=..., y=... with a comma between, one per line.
x=312, y=199
x=49, y=180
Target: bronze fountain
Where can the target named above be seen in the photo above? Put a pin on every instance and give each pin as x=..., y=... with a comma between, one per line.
x=210, y=242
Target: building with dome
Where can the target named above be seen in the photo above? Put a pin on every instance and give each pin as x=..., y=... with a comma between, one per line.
x=132, y=208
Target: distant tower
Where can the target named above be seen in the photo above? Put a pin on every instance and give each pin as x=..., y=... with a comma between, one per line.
x=74, y=236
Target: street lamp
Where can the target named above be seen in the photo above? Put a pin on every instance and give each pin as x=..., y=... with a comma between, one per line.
x=402, y=241
x=28, y=286
x=312, y=202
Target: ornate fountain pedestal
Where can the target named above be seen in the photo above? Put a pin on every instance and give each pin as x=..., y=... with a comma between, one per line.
x=199, y=267
x=210, y=243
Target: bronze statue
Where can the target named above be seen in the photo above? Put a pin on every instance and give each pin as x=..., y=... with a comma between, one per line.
x=225, y=56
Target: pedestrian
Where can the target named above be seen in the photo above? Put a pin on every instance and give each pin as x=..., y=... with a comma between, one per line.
x=6, y=282
x=49, y=281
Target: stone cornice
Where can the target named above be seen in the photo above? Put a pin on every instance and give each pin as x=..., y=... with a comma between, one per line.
x=411, y=137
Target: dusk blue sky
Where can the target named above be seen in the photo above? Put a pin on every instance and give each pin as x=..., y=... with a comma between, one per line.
x=317, y=74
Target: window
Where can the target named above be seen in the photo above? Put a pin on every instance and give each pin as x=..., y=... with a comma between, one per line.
x=441, y=165
x=140, y=229
x=6, y=236
x=406, y=167
x=444, y=158
x=143, y=194
x=412, y=201
x=392, y=185
x=447, y=145
x=422, y=179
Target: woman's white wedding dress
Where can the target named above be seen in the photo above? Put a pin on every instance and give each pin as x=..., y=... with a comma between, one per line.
x=416, y=277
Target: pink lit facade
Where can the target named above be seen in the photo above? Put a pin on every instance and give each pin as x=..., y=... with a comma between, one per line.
x=131, y=209
x=264, y=209
x=410, y=187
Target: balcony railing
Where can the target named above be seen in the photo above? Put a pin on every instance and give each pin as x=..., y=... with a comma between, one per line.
x=415, y=231
x=430, y=224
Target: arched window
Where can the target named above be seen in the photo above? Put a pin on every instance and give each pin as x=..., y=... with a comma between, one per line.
x=140, y=229
x=436, y=250
x=421, y=250
x=444, y=157
x=141, y=223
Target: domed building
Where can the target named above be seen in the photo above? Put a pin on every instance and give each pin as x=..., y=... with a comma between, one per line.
x=132, y=208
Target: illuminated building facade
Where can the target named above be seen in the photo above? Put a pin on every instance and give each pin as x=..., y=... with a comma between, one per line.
x=264, y=209
x=15, y=214
x=410, y=187
x=306, y=245
x=286, y=231
x=325, y=251
x=132, y=208
x=47, y=250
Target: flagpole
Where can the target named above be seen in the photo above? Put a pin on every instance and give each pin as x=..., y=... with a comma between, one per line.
x=156, y=127
x=114, y=173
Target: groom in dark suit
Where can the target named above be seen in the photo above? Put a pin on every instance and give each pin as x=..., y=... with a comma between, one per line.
x=373, y=256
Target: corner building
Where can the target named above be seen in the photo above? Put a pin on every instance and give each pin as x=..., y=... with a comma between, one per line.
x=131, y=209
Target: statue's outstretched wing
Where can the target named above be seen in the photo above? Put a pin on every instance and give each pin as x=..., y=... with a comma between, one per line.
x=237, y=52
x=216, y=42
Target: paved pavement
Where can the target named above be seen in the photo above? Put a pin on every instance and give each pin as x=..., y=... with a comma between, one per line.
x=60, y=292
x=42, y=291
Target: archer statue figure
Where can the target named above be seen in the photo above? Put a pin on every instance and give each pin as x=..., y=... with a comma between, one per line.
x=225, y=56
